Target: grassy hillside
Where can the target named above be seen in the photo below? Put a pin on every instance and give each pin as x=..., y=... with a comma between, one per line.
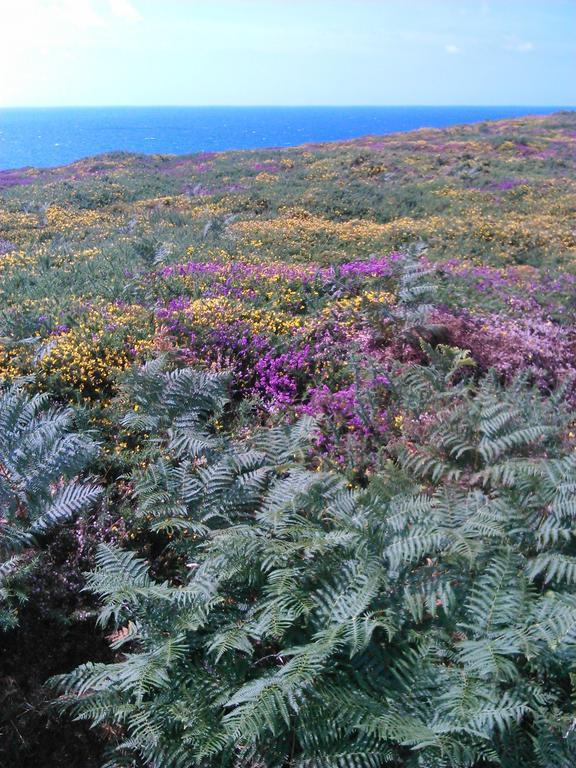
x=409, y=303
x=113, y=259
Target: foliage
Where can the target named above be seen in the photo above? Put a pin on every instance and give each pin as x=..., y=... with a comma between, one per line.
x=232, y=329
x=278, y=266
x=427, y=620
x=40, y=460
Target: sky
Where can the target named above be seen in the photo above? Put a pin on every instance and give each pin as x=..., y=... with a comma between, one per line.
x=287, y=52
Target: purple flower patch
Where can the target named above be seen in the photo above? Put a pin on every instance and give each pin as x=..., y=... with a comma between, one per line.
x=6, y=246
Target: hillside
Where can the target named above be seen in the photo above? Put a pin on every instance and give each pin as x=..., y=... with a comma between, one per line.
x=408, y=302
x=111, y=259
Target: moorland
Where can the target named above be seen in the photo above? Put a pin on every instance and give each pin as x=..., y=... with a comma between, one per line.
x=287, y=454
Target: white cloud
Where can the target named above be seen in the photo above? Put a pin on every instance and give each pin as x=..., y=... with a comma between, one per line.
x=452, y=49
x=78, y=13
x=59, y=29
x=123, y=9
x=519, y=46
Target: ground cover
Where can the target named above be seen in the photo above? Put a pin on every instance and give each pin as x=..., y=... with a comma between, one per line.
x=314, y=280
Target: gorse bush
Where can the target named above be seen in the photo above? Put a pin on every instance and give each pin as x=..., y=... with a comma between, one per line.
x=428, y=620
x=40, y=460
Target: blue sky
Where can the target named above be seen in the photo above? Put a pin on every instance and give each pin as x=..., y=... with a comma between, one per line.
x=149, y=52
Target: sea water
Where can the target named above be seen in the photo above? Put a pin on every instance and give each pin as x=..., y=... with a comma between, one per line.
x=46, y=137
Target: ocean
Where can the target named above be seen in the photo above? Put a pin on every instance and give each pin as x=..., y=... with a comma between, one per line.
x=54, y=136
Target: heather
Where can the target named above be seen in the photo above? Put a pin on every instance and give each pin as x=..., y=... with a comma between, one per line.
x=300, y=414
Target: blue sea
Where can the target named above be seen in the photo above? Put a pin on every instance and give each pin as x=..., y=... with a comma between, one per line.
x=54, y=136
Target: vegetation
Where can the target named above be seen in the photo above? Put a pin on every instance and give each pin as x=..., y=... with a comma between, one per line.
x=323, y=475
x=39, y=459
x=403, y=624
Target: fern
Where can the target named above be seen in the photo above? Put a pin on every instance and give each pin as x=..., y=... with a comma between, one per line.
x=39, y=460
x=427, y=620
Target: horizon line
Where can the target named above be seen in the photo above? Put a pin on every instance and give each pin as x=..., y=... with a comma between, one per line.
x=287, y=106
